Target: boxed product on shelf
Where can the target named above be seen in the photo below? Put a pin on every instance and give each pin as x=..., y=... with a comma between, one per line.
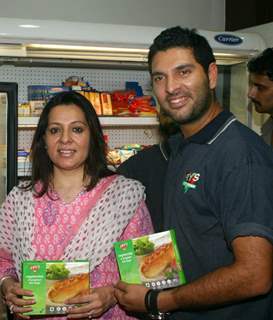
x=106, y=104
x=95, y=101
x=54, y=282
x=44, y=92
x=24, y=109
x=94, y=98
x=152, y=260
x=36, y=107
x=23, y=163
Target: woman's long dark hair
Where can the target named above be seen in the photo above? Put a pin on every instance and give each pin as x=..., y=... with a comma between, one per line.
x=42, y=166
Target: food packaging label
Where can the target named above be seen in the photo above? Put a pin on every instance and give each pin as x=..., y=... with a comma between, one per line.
x=152, y=260
x=106, y=104
x=94, y=98
x=53, y=282
x=36, y=107
x=44, y=92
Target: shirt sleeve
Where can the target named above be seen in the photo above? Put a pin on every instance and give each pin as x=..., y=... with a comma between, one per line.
x=247, y=202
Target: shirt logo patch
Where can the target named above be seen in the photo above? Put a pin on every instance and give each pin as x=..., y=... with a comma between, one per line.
x=190, y=181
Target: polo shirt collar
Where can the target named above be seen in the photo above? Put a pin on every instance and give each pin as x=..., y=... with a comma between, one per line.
x=207, y=134
x=211, y=130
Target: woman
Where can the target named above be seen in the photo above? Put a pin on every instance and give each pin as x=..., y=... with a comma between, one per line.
x=72, y=208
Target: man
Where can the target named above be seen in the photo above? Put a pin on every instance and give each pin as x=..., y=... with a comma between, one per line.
x=217, y=194
x=261, y=89
x=149, y=166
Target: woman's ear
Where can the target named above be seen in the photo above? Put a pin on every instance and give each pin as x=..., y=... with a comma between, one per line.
x=213, y=74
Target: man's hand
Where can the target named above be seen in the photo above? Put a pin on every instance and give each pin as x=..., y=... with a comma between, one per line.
x=131, y=296
x=93, y=303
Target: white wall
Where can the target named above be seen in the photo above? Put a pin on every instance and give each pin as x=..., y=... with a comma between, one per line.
x=265, y=30
x=201, y=14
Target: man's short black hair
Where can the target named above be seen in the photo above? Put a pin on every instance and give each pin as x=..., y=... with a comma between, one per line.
x=178, y=37
x=262, y=64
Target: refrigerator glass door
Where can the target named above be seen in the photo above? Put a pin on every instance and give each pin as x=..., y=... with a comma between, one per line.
x=8, y=137
x=3, y=144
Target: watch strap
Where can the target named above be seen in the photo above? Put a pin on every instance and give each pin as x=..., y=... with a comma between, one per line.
x=151, y=301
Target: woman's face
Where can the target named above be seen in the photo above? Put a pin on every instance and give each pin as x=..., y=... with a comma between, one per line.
x=67, y=137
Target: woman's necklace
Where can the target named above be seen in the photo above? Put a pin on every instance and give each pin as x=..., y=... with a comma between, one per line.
x=69, y=193
x=68, y=198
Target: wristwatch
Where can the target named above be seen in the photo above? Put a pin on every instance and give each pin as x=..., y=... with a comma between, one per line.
x=151, y=305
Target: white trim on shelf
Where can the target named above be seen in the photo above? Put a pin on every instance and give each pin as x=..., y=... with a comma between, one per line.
x=31, y=122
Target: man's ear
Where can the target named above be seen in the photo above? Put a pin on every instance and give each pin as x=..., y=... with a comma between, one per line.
x=213, y=74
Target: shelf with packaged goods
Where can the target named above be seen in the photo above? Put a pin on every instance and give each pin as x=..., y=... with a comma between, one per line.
x=31, y=122
x=24, y=169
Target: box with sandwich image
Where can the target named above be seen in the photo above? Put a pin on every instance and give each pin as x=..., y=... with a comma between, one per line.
x=152, y=260
x=53, y=282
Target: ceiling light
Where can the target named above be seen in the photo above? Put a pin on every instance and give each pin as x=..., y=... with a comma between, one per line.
x=29, y=26
x=86, y=48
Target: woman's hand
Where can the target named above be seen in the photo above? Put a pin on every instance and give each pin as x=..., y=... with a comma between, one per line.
x=131, y=296
x=13, y=293
x=94, y=303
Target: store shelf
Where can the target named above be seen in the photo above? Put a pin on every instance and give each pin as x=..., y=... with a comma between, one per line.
x=31, y=122
x=24, y=169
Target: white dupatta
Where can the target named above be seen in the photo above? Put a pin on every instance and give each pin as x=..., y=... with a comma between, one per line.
x=94, y=239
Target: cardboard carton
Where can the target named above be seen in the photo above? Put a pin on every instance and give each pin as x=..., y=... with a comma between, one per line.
x=152, y=260
x=53, y=282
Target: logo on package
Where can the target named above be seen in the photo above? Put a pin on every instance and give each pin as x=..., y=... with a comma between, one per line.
x=35, y=268
x=190, y=181
x=123, y=246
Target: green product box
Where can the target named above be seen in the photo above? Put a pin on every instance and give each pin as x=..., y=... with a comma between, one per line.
x=152, y=260
x=53, y=282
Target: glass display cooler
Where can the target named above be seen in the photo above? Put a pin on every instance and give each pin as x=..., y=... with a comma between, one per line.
x=8, y=137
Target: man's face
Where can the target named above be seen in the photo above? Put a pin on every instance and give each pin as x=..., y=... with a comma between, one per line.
x=180, y=84
x=260, y=92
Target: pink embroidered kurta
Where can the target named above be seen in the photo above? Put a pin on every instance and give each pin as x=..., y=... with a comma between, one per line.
x=58, y=223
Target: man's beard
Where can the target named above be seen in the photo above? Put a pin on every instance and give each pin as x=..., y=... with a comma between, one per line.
x=257, y=105
x=199, y=109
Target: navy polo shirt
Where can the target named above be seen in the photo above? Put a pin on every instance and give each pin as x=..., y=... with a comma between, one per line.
x=219, y=186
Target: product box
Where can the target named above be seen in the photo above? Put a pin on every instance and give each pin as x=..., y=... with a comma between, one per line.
x=44, y=92
x=24, y=110
x=106, y=104
x=94, y=98
x=152, y=260
x=36, y=107
x=53, y=282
